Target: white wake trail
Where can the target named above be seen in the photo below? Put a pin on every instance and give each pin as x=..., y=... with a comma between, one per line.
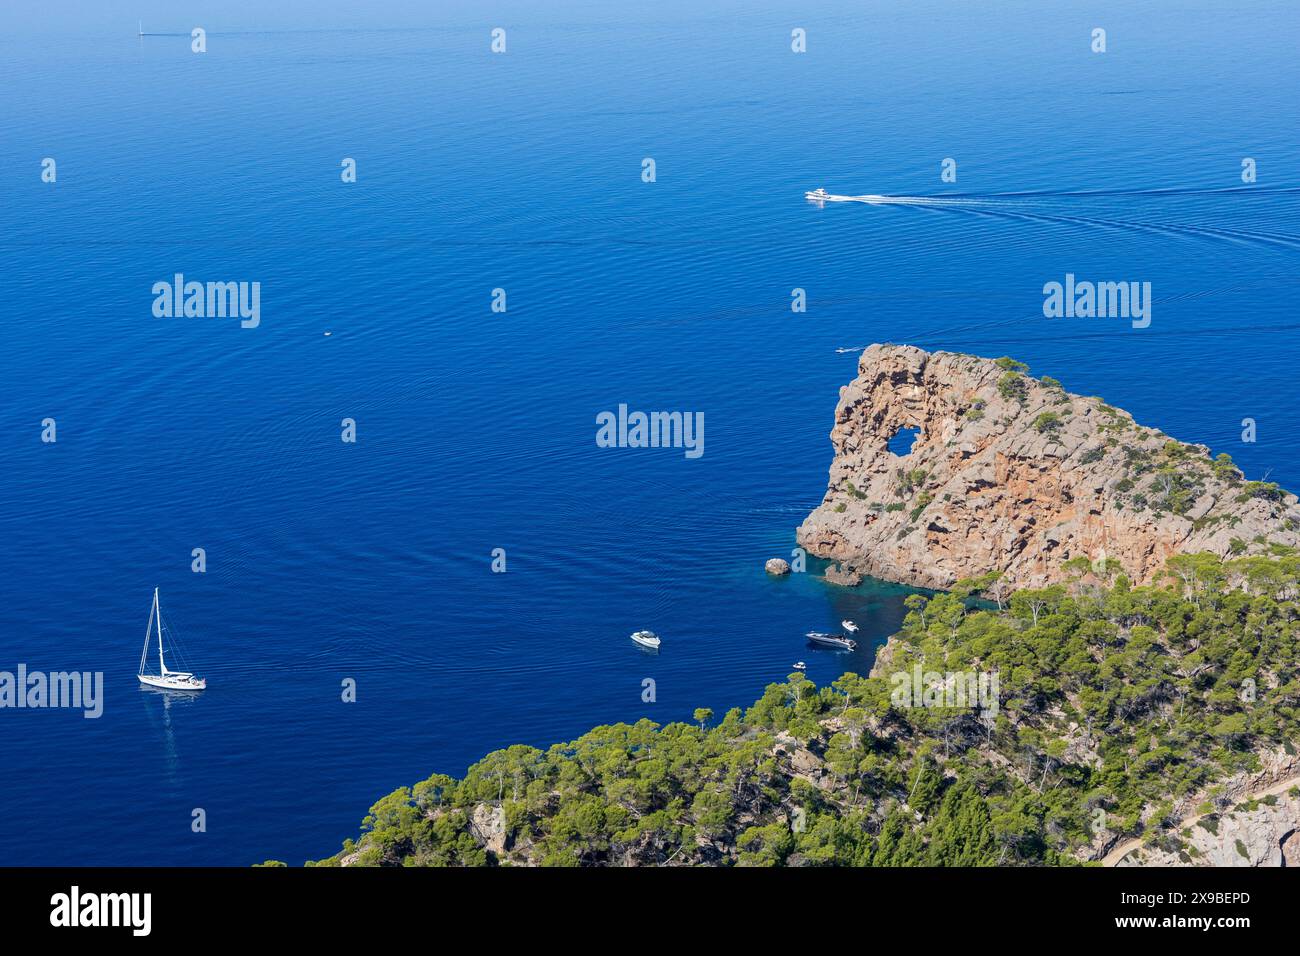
x=873, y=199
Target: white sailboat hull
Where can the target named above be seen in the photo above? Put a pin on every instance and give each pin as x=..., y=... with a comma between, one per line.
x=172, y=682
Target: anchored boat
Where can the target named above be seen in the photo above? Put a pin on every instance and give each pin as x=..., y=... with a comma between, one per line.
x=647, y=639
x=838, y=641
x=167, y=680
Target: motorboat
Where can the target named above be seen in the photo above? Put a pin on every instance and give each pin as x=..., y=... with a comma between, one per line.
x=849, y=626
x=838, y=641
x=817, y=195
x=646, y=639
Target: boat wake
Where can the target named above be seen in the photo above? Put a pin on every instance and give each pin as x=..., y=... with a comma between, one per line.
x=1036, y=207
x=1034, y=196
x=871, y=199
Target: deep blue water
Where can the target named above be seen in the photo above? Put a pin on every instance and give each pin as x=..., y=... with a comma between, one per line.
x=372, y=561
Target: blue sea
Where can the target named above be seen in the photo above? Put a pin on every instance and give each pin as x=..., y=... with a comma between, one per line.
x=522, y=171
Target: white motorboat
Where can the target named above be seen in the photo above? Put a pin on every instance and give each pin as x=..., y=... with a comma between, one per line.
x=165, y=679
x=646, y=639
x=849, y=626
x=820, y=195
x=838, y=641
x=800, y=666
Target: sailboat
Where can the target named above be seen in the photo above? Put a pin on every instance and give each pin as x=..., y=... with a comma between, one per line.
x=168, y=680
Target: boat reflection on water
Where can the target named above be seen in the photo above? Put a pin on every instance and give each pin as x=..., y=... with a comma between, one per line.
x=161, y=718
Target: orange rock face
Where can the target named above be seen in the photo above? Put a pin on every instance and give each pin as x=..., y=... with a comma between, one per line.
x=1016, y=475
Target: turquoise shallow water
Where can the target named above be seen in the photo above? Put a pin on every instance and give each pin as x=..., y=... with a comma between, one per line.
x=476, y=429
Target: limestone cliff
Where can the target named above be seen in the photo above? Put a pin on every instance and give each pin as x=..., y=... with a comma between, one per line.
x=1014, y=474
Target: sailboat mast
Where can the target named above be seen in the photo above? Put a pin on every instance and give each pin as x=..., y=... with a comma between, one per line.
x=158, y=612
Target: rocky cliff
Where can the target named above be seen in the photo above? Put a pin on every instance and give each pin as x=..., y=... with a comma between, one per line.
x=1014, y=474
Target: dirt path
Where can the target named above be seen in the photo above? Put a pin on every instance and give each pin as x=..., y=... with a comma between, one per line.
x=1128, y=846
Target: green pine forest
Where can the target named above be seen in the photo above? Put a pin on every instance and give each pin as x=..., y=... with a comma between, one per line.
x=1120, y=710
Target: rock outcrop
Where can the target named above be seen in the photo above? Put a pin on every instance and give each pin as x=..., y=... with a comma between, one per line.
x=488, y=828
x=1014, y=474
x=1261, y=833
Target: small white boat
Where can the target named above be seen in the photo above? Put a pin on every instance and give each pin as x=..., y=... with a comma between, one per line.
x=800, y=666
x=167, y=680
x=849, y=626
x=646, y=639
x=820, y=195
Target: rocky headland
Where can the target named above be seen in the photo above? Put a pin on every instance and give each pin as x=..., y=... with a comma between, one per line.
x=1015, y=475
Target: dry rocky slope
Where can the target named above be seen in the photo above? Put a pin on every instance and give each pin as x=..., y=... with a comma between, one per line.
x=1258, y=832
x=1014, y=474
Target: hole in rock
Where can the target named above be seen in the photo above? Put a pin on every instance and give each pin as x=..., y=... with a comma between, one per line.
x=904, y=438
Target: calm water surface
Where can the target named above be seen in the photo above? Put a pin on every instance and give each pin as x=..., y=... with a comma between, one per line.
x=371, y=561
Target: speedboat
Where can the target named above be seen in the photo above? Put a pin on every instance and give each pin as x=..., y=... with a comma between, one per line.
x=166, y=679
x=800, y=666
x=849, y=626
x=838, y=641
x=817, y=195
x=646, y=639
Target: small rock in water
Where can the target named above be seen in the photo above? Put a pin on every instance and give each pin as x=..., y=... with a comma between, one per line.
x=777, y=566
x=840, y=574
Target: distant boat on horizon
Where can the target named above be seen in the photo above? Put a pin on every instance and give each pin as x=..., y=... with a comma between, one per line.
x=167, y=680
